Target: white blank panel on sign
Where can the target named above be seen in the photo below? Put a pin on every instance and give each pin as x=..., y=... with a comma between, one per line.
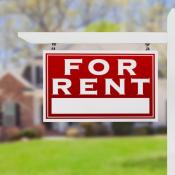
x=100, y=105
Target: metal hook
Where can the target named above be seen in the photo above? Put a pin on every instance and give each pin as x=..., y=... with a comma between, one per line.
x=53, y=46
x=147, y=46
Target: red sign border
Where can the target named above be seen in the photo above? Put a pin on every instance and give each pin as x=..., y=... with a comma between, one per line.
x=104, y=117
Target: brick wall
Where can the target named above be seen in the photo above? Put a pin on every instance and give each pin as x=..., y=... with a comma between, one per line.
x=13, y=90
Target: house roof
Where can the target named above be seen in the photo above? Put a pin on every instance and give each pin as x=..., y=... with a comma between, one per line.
x=18, y=77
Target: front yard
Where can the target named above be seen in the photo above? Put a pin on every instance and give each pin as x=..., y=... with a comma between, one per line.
x=92, y=156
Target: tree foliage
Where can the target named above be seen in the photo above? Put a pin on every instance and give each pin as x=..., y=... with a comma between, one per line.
x=43, y=16
x=68, y=15
x=103, y=26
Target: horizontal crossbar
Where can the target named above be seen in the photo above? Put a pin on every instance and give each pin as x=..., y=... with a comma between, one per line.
x=93, y=37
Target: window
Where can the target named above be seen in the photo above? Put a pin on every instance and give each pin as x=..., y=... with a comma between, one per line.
x=0, y=115
x=11, y=114
x=39, y=75
x=17, y=115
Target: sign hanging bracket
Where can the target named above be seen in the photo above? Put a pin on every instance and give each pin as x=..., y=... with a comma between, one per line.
x=53, y=46
x=147, y=46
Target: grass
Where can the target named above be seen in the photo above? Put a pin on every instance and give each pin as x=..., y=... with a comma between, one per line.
x=93, y=156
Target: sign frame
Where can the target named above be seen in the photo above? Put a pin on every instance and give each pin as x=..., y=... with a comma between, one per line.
x=167, y=38
x=46, y=119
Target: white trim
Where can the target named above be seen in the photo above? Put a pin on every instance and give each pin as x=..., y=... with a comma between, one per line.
x=93, y=37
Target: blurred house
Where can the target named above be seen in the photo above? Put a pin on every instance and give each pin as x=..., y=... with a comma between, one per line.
x=21, y=104
x=15, y=103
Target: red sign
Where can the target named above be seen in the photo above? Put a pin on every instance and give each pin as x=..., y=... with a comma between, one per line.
x=100, y=86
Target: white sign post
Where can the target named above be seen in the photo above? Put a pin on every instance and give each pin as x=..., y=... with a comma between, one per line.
x=127, y=37
x=171, y=91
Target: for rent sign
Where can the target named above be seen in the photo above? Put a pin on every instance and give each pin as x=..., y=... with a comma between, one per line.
x=100, y=86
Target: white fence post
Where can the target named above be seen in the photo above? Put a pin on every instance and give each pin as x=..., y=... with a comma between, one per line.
x=171, y=91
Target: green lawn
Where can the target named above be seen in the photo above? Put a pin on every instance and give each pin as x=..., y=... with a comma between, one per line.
x=93, y=156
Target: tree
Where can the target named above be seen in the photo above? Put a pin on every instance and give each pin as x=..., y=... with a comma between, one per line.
x=42, y=16
x=103, y=26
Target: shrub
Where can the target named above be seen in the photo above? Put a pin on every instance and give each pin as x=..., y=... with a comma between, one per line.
x=100, y=129
x=12, y=133
x=94, y=129
x=40, y=130
x=34, y=132
x=88, y=128
x=161, y=130
x=144, y=130
x=140, y=131
x=150, y=130
x=29, y=133
x=123, y=128
x=74, y=132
